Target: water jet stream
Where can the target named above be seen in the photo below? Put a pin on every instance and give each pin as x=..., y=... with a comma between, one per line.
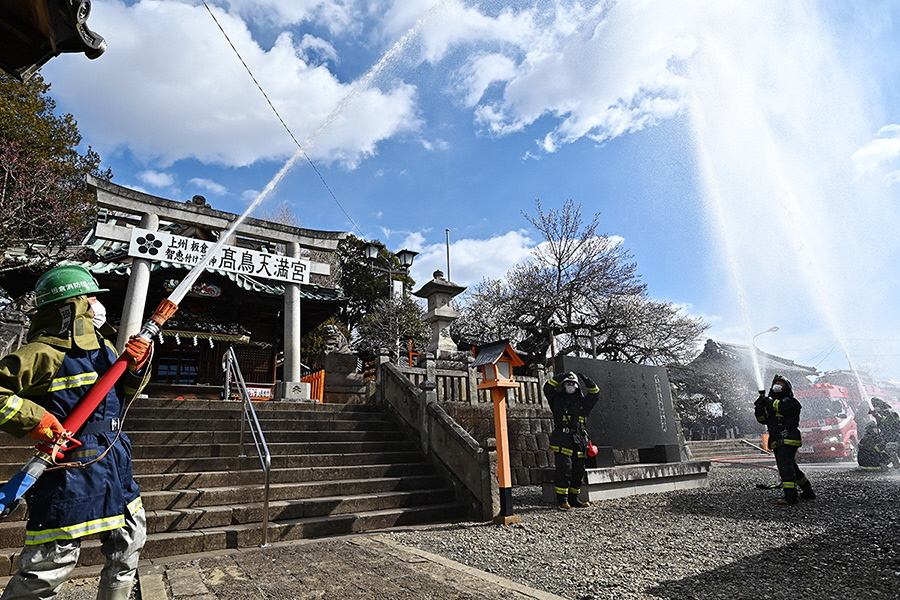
x=363, y=83
x=744, y=165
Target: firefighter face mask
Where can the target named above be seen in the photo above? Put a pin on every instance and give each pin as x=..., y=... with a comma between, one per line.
x=777, y=388
x=570, y=387
x=98, y=311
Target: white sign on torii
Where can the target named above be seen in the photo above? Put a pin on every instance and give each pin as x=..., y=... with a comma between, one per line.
x=159, y=245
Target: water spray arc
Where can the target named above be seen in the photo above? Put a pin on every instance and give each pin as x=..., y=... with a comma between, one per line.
x=45, y=454
x=760, y=384
x=755, y=188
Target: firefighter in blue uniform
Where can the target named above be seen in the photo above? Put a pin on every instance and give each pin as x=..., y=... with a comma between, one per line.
x=569, y=439
x=39, y=386
x=779, y=411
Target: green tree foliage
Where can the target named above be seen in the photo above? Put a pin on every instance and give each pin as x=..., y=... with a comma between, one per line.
x=363, y=284
x=579, y=295
x=44, y=202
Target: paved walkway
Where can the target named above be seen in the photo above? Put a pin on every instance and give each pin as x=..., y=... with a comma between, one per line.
x=362, y=567
x=365, y=567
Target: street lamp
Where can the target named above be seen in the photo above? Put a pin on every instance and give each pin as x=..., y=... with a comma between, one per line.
x=406, y=258
x=372, y=251
x=772, y=329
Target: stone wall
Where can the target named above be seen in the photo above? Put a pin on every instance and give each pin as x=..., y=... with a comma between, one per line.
x=529, y=430
x=469, y=466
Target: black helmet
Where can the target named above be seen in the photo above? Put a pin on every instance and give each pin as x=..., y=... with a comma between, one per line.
x=785, y=382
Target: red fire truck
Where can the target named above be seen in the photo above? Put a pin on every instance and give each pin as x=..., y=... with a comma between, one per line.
x=827, y=423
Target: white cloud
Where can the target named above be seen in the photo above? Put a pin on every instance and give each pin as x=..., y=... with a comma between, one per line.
x=880, y=155
x=578, y=62
x=481, y=72
x=335, y=14
x=472, y=260
x=209, y=185
x=156, y=178
x=171, y=88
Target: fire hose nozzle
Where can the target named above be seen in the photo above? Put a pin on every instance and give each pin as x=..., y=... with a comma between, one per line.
x=163, y=312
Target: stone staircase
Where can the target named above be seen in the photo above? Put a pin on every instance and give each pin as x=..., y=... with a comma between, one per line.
x=336, y=469
x=728, y=448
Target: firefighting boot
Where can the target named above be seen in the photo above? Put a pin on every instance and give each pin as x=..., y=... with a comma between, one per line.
x=790, y=493
x=806, y=491
x=120, y=592
x=575, y=502
x=562, y=502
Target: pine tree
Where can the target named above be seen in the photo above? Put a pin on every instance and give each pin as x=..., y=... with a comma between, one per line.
x=44, y=202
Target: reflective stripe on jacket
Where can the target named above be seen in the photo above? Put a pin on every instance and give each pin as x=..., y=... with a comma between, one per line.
x=570, y=414
x=781, y=416
x=72, y=503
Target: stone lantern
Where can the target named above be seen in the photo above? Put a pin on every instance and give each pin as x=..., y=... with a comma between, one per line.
x=438, y=292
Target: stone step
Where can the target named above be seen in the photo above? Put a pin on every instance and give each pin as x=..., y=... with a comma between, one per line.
x=174, y=543
x=710, y=449
x=187, y=490
x=172, y=451
x=199, y=480
x=213, y=516
x=250, y=462
x=293, y=407
x=233, y=410
x=249, y=535
x=150, y=438
x=282, y=443
x=336, y=469
x=208, y=423
x=231, y=495
x=276, y=450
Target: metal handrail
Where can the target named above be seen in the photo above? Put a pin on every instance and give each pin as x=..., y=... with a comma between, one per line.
x=233, y=372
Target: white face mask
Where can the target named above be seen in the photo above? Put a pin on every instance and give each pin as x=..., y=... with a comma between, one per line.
x=570, y=388
x=777, y=388
x=99, y=312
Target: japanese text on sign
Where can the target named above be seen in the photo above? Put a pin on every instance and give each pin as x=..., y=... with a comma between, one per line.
x=158, y=245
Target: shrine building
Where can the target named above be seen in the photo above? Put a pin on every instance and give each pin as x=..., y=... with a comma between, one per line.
x=266, y=288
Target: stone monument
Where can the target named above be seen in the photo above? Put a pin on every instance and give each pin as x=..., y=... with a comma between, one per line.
x=634, y=413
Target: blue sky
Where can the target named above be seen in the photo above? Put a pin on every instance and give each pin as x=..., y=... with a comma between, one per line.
x=746, y=153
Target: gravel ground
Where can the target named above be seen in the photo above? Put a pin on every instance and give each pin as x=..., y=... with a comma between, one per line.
x=728, y=541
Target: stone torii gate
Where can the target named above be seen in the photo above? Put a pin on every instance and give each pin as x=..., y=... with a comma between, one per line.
x=321, y=245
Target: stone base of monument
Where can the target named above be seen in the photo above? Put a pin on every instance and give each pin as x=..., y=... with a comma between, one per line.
x=605, y=483
x=343, y=384
x=291, y=391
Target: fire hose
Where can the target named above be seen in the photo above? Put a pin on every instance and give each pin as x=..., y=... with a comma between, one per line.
x=45, y=453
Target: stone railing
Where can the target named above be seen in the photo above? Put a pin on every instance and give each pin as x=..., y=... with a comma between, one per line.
x=470, y=410
x=462, y=386
x=468, y=465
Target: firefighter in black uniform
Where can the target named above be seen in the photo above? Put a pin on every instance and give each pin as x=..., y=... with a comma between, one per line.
x=780, y=412
x=569, y=440
x=889, y=424
x=872, y=454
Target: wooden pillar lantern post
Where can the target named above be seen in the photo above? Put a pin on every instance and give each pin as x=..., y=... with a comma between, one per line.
x=496, y=361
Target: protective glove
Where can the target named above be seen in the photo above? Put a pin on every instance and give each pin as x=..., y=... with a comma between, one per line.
x=48, y=430
x=588, y=382
x=138, y=351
